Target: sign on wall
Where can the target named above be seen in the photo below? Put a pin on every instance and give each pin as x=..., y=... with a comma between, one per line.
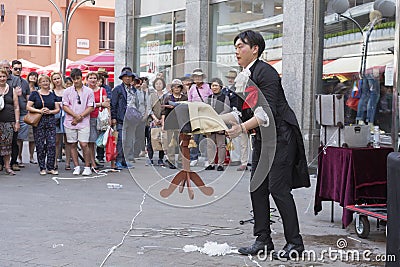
x=83, y=52
x=82, y=43
x=153, y=51
x=389, y=74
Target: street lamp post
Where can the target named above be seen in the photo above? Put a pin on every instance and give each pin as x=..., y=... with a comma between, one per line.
x=56, y=29
x=381, y=8
x=65, y=21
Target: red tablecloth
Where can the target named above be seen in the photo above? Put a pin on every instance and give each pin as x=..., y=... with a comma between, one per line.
x=346, y=175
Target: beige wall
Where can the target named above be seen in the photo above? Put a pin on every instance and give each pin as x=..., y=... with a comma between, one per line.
x=84, y=25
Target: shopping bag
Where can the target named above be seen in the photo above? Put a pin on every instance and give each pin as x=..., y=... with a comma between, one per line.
x=102, y=120
x=106, y=134
x=111, y=147
x=158, y=139
x=103, y=116
x=100, y=140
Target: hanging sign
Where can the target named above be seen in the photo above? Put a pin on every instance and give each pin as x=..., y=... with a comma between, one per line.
x=153, y=51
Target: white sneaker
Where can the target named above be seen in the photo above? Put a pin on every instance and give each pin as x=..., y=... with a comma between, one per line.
x=206, y=163
x=77, y=170
x=87, y=171
x=193, y=163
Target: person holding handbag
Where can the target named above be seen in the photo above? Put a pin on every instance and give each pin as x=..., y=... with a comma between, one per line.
x=169, y=102
x=156, y=104
x=221, y=104
x=45, y=102
x=8, y=122
x=99, y=92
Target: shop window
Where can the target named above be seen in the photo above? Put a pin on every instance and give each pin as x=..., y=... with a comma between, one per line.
x=231, y=17
x=106, y=33
x=33, y=28
x=155, y=43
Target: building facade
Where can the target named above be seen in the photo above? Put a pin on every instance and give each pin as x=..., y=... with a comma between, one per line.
x=299, y=35
x=27, y=30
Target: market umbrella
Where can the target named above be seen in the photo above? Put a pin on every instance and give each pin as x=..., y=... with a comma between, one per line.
x=55, y=67
x=103, y=60
x=28, y=66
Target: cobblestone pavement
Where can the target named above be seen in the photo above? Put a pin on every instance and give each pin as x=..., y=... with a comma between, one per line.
x=77, y=222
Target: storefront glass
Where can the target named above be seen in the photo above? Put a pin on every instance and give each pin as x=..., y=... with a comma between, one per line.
x=367, y=91
x=155, y=42
x=231, y=17
x=161, y=41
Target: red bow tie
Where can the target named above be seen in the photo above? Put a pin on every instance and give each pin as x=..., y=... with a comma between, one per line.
x=251, y=100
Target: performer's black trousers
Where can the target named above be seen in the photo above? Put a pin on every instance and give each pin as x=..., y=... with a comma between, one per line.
x=278, y=184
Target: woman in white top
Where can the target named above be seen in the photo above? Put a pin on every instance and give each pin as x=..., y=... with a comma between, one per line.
x=58, y=87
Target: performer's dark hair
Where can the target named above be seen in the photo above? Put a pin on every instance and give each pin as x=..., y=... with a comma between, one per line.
x=251, y=38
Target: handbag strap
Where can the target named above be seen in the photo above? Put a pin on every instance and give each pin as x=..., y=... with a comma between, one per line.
x=101, y=98
x=41, y=98
x=199, y=94
x=101, y=95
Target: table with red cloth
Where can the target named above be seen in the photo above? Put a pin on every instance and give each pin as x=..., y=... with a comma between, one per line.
x=347, y=175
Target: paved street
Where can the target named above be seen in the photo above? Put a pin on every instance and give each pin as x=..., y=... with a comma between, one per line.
x=77, y=222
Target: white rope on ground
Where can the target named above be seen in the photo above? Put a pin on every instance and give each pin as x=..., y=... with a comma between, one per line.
x=254, y=261
x=113, y=248
x=99, y=174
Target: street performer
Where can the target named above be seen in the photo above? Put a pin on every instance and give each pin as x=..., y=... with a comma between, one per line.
x=265, y=110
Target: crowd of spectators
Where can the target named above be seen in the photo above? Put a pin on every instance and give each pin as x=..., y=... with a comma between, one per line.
x=137, y=109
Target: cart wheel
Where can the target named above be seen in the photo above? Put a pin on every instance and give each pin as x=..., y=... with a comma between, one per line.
x=362, y=226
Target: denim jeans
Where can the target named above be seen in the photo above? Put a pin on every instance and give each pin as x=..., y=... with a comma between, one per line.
x=370, y=92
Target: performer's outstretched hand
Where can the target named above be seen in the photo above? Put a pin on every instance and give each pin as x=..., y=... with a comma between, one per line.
x=235, y=130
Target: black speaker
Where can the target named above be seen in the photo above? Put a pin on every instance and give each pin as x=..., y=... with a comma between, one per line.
x=393, y=209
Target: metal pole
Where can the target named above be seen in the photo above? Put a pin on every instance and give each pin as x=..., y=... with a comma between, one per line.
x=63, y=27
x=396, y=81
x=65, y=38
x=68, y=17
x=58, y=37
x=354, y=21
x=74, y=9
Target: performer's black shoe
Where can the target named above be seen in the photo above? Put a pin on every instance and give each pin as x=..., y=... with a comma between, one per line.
x=258, y=246
x=289, y=251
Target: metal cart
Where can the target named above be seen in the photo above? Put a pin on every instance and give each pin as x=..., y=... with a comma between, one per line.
x=362, y=225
